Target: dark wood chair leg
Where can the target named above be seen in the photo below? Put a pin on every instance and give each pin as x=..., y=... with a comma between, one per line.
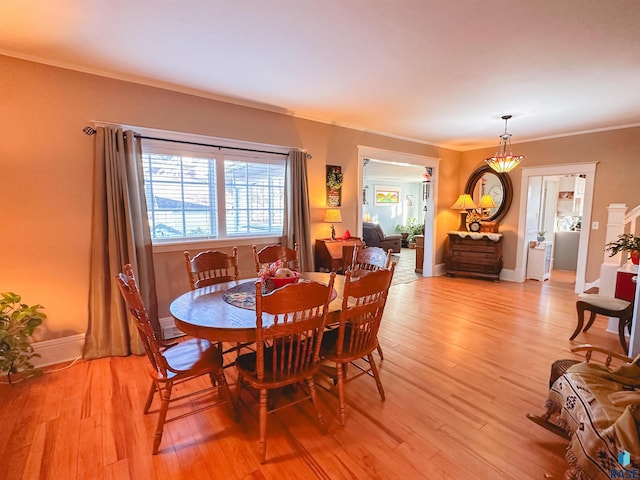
x=592, y=318
x=623, y=316
x=580, y=306
x=623, y=340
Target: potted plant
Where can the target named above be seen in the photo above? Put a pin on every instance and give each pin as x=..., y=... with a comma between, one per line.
x=410, y=230
x=415, y=228
x=626, y=242
x=404, y=231
x=541, y=235
x=17, y=324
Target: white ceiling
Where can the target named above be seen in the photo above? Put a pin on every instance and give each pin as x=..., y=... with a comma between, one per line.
x=437, y=71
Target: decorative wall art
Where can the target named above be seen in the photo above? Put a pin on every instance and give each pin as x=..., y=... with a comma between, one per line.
x=334, y=185
x=565, y=195
x=385, y=195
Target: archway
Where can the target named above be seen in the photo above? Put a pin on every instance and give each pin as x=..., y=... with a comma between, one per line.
x=399, y=158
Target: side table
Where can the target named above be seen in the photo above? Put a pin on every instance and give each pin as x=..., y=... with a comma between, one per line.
x=329, y=255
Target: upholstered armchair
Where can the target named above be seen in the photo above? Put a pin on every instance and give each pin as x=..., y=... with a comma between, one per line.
x=373, y=236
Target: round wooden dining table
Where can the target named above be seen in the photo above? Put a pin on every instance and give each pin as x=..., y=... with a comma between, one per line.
x=205, y=313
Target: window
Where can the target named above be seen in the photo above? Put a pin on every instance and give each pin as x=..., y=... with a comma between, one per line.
x=198, y=192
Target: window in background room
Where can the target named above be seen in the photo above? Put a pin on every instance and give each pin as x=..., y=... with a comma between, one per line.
x=198, y=192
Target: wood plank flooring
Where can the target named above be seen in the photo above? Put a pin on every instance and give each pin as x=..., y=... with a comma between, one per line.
x=465, y=360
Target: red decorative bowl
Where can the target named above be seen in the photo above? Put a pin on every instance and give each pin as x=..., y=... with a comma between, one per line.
x=281, y=282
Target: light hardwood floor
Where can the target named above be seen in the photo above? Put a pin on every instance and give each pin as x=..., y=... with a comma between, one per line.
x=465, y=360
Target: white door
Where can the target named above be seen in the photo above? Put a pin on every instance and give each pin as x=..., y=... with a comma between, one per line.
x=534, y=207
x=528, y=215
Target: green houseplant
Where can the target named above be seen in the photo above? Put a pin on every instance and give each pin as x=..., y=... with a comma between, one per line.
x=404, y=231
x=626, y=242
x=17, y=324
x=411, y=229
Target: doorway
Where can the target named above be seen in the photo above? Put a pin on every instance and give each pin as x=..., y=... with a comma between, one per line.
x=419, y=204
x=549, y=203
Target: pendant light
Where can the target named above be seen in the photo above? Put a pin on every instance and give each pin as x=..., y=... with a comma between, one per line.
x=504, y=160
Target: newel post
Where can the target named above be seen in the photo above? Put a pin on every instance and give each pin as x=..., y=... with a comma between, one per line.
x=610, y=265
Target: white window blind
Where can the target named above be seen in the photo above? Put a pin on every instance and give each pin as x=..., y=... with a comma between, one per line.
x=193, y=193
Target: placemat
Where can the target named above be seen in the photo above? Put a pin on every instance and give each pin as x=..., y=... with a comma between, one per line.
x=244, y=295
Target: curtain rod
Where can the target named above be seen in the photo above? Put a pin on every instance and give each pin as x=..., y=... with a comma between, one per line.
x=92, y=131
x=207, y=145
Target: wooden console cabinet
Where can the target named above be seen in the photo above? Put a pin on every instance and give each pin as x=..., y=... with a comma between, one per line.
x=329, y=253
x=474, y=255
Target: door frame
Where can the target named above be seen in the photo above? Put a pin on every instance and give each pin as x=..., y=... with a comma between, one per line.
x=588, y=169
x=391, y=156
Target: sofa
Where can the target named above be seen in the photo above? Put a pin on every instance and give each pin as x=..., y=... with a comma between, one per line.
x=373, y=236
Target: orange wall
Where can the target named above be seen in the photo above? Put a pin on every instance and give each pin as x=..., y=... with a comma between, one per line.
x=617, y=153
x=46, y=168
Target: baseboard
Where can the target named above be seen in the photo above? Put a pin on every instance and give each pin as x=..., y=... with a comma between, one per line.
x=508, y=275
x=65, y=349
x=58, y=350
x=169, y=329
x=439, y=269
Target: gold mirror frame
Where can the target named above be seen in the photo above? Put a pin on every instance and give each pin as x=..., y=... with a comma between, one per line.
x=506, y=192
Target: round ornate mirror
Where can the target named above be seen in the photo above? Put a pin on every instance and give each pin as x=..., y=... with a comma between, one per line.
x=491, y=191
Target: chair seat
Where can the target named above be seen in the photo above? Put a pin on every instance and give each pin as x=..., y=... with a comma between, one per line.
x=192, y=356
x=246, y=364
x=604, y=302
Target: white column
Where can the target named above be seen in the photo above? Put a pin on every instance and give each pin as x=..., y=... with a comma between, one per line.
x=610, y=265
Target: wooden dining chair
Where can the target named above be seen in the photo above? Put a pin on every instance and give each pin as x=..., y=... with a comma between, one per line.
x=348, y=257
x=289, y=327
x=211, y=267
x=363, y=302
x=272, y=253
x=177, y=364
x=367, y=260
x=371, y=258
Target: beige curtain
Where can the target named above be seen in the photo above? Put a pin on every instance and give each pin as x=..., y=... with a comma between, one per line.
x=120, y=235
x=297, y=223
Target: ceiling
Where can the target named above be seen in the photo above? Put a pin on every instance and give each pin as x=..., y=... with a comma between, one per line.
x=441, y=72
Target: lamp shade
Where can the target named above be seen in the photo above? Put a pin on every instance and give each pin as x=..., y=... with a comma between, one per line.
x=487, y=202
x=464, y=202
x=332, y=215
x=504, y=161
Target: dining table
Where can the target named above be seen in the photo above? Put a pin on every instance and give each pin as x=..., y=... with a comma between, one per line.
x=226, y=312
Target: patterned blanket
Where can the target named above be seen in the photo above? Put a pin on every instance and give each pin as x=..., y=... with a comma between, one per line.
x=604, y=436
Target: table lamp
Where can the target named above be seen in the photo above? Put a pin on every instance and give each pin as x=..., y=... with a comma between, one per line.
x=486, y=203
x=332, y=215
x=464, y=203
